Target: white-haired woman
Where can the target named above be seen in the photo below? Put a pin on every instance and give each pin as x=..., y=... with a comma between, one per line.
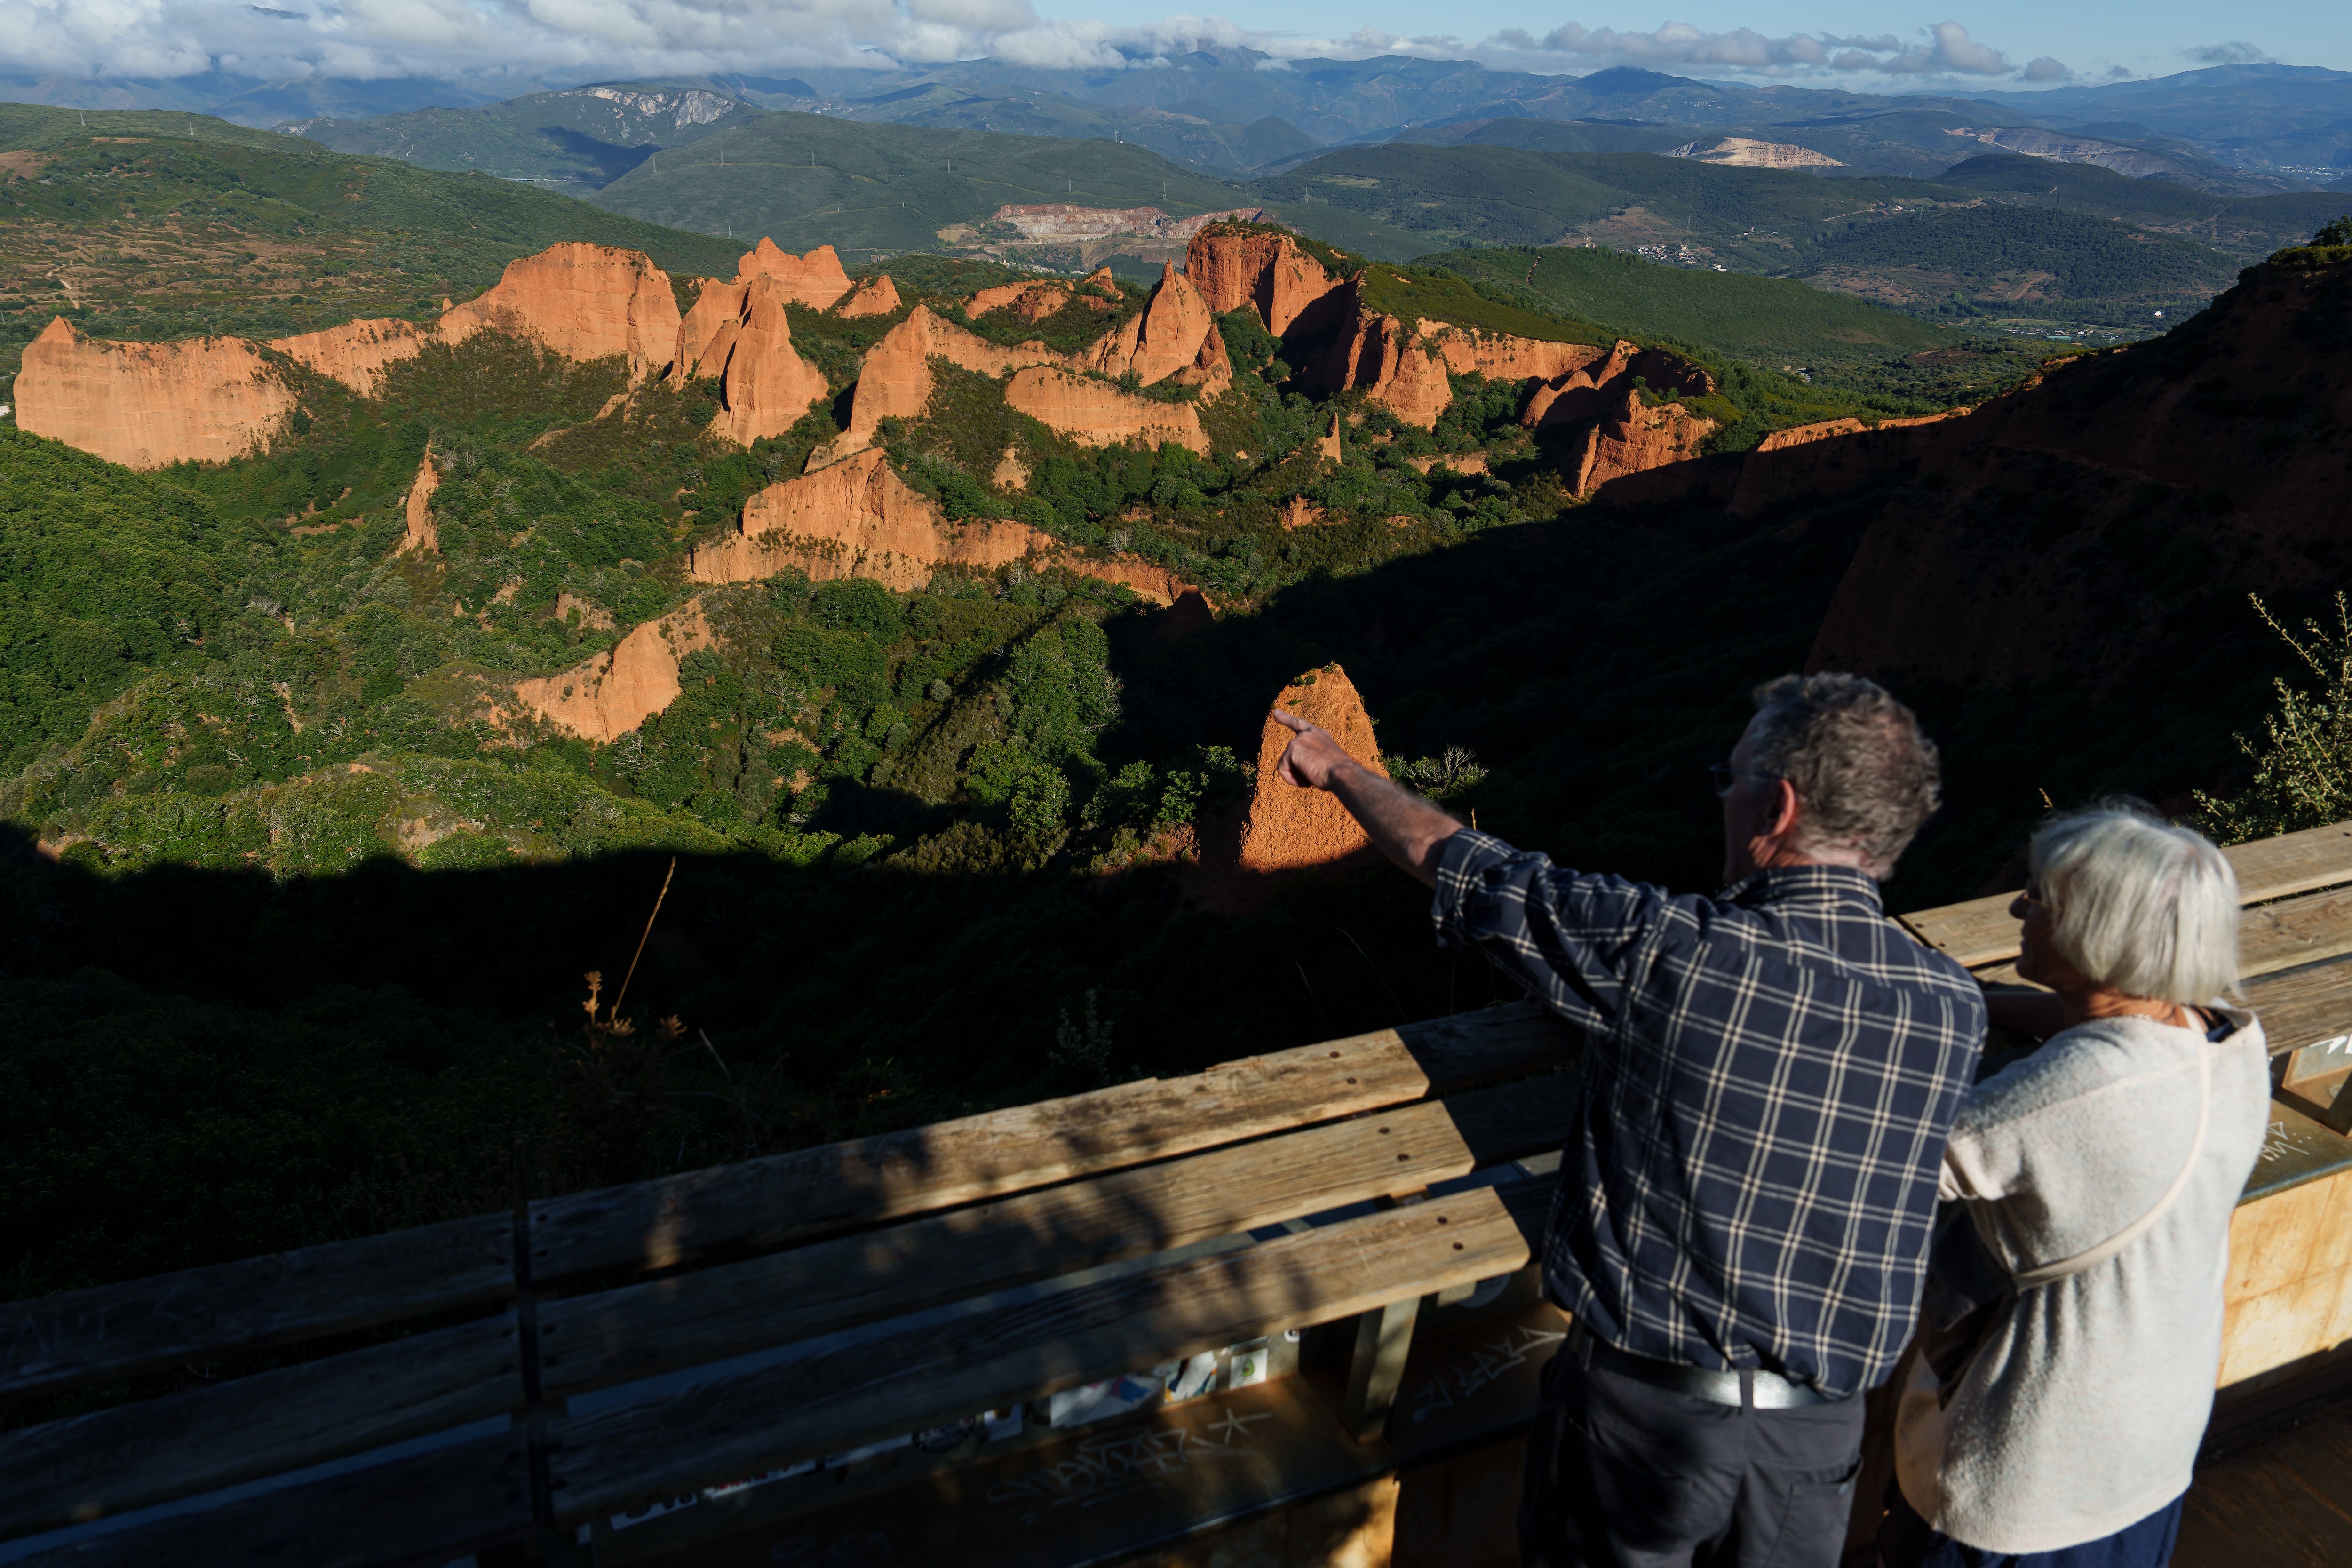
x=2054, y=1425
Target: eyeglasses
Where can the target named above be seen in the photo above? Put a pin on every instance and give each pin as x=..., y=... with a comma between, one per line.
x=2032, y=894
x=1723, y=774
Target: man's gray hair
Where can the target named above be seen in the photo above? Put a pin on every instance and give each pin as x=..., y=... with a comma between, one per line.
x=2138, y=904
x=1867, y=776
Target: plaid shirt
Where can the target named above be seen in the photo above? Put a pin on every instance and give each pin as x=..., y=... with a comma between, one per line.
x=1769, y=1076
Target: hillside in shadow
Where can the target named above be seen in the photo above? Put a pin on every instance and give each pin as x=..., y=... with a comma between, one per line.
x=203, y=1063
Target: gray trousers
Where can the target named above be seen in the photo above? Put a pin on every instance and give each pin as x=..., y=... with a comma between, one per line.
x=1623, y=1475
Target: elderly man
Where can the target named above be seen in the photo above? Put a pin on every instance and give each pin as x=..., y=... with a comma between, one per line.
x=1748, y=1188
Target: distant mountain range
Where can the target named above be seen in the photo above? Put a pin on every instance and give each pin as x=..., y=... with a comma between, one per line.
x=2241, y=129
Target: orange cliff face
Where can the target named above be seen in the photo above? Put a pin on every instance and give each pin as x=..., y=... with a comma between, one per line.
x=604, y=697
x=357, y=353
x=144, y=406
x=1267, y=272
x=896, y=380
x=1379, y=355
x=815, y=280
x=584, y=301
x=422, y=534
x=857, y=519
x=1287, y=828
x=1167, y=337
x=1634, y=438
x=1098, y=414
x=739, y=333
x=877, y=296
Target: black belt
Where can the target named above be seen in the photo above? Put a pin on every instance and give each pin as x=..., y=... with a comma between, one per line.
x=1751, y=1390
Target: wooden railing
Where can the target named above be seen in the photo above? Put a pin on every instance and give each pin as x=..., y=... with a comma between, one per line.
x=616, y=1374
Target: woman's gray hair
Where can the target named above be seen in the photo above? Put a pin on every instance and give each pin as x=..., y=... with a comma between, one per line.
x=2139, y=904
x=1857, y=757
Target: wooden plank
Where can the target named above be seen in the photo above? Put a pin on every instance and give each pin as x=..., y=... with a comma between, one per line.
x=1980, y=930
x=1492, y=1043
x=2296, y=1150
x=814, y=1192
x=68, y=1472
x=1099, y=1494
x=2300, y=1008
x=2270, y=937
x=591, y=1341
x=934, y=1371
x=145, y=1325
x=1516, y=1120
x=432, y=1505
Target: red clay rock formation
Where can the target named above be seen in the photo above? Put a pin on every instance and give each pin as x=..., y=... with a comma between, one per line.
x=606, y=697
x=1166, y=337
x=356, y=352
x=857, y=519
x=1380, y=356
x=1032, y=300
x=1096, y=414
x=1267, y=271
x=1498, y=356
x=1803, y=435
x=585, y=302
x=1288, y=828
x=1211, y=369
x=1459, y=462
x=1299, y=512
x=768, y=386
x=1633, y=439
x=1011, y=473
x=421, y=535
x=1156, y=584
x=1327, y=445
x=896, y=377
x=1100, y=278
x=144, y=406
x=877, y=296
x=815, y=280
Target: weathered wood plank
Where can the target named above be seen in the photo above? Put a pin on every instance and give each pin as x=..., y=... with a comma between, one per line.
x=1492, y=1043
x=815, y=1192
x=429, y=1507
x=2303, y=1006
x=110, y=1462
x=145, y=1325
x=935, y=1371
x=1516, y=1120
x=590, y=1341
x=1980, y=930
x=2270, y=937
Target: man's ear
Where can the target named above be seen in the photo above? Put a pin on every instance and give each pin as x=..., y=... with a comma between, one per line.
x=1787, y=807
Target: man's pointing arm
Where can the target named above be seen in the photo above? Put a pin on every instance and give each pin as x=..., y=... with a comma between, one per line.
x=1403, y=826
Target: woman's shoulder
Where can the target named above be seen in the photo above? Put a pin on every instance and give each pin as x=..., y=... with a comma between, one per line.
x=2097, y=1057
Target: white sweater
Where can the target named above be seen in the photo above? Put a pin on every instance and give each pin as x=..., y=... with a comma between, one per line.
x=2082, y=1412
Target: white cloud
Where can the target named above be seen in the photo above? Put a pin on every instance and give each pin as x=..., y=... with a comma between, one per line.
x=517, y=45
x=2046, y=69
x=1945, y=49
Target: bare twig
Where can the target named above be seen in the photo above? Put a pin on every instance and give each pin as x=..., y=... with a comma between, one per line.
x=632, y=974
